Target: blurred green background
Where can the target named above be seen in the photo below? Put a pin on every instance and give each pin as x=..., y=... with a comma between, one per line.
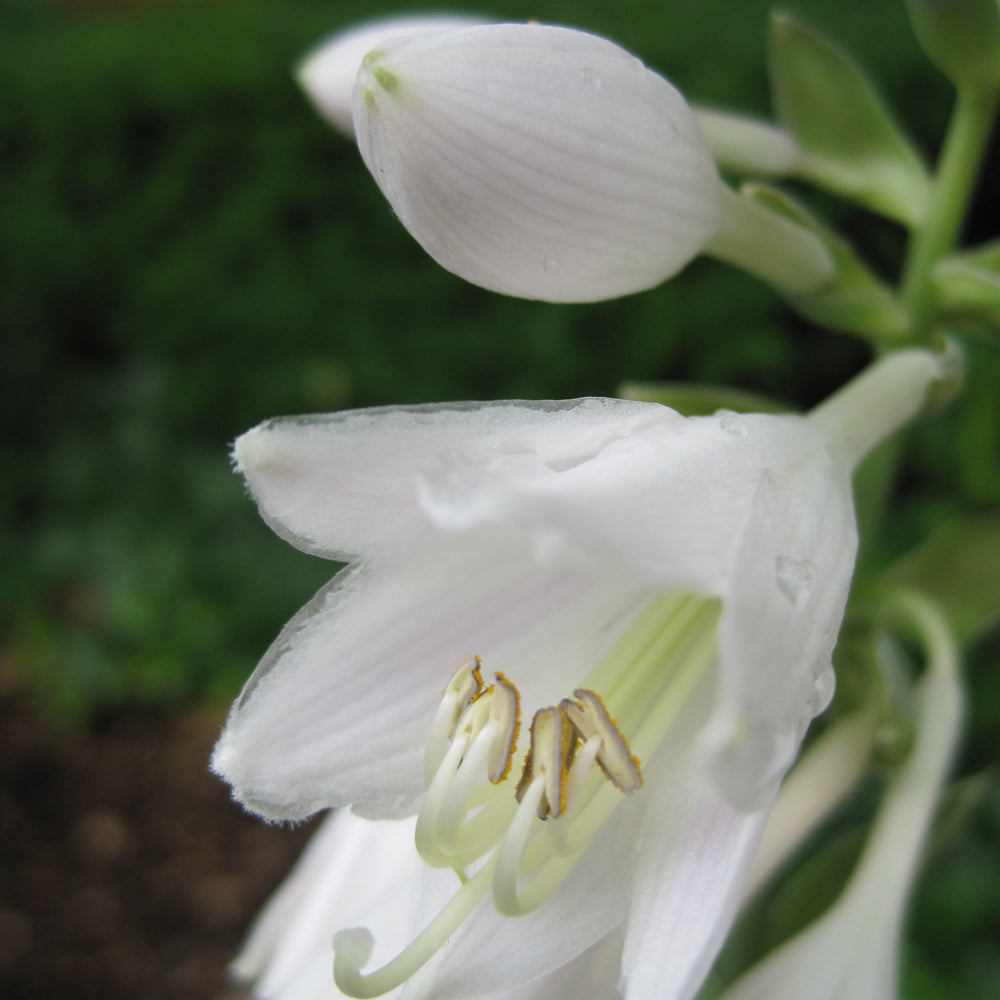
x=186, y=249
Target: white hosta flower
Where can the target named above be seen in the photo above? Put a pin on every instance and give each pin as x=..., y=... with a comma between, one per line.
x=643, y=606
x=327, y=74
x=852, y=951
x=537, y=161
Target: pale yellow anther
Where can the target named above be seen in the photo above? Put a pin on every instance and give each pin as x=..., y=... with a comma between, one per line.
x=505, y=713
x=465, y=685
x=553, y=742
x=499, y=707
x=589, y=718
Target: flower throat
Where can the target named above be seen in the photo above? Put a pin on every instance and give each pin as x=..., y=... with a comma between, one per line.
x=518, y=840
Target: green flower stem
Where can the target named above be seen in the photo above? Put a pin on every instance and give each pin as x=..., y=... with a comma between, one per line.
x=954, y=182
x=953, y=187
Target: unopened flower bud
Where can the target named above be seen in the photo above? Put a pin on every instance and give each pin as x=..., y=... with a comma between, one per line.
x=328, y=71
x=537, y=161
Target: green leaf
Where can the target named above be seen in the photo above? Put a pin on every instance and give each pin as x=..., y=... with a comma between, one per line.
x=851, y=143
x=856, y=301
x=959, y=568
x=961, y=38
x=700, y=400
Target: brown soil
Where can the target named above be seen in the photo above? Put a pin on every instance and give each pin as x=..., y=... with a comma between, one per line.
x=126, y=871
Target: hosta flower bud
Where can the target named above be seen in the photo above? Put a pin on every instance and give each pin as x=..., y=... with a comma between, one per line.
x=328, y=71
x=537, y=161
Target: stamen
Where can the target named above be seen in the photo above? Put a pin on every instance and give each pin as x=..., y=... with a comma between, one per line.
x=519, y=855
x=426, y=834
x=465, y=685
x=505, y=714
x=579, y=774
x=636, y=678
x=479, y=833
x=481, y=741
x=456, y=802
x=553, y=743
x=498, y=708
x=590, y=718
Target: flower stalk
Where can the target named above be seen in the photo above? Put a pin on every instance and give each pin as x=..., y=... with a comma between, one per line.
x=951, y=193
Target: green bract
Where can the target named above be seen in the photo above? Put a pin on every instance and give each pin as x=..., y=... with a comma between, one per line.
x=855, y=300
x=961, y=37
x=850, y=142
x=967, y=288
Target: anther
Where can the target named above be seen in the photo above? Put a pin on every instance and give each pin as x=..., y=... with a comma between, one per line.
x=553, y=743
x=499, y=708
x=590, y=718
x=505, y=714
x=479, y=743
x=465, y=685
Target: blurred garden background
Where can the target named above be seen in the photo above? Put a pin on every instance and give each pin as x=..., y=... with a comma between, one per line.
x=185, y=250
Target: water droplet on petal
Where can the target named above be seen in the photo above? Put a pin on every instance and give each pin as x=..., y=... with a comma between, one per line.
x=795, y=578
x=551, y=265
x=592, y=77
x=733, y=423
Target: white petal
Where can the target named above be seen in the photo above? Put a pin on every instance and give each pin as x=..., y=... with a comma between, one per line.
x=352, y=873
x=340, y=708
x=692, y=851
x=339, y=484
x=537, y=161
x=593, y=974
x=327, y=73
x=791, y=573
x=666, y=504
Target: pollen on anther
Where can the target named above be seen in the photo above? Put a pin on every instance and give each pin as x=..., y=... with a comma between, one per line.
x=589, y=717
x=466, y=685
x=553, y=743
x=507, y=711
